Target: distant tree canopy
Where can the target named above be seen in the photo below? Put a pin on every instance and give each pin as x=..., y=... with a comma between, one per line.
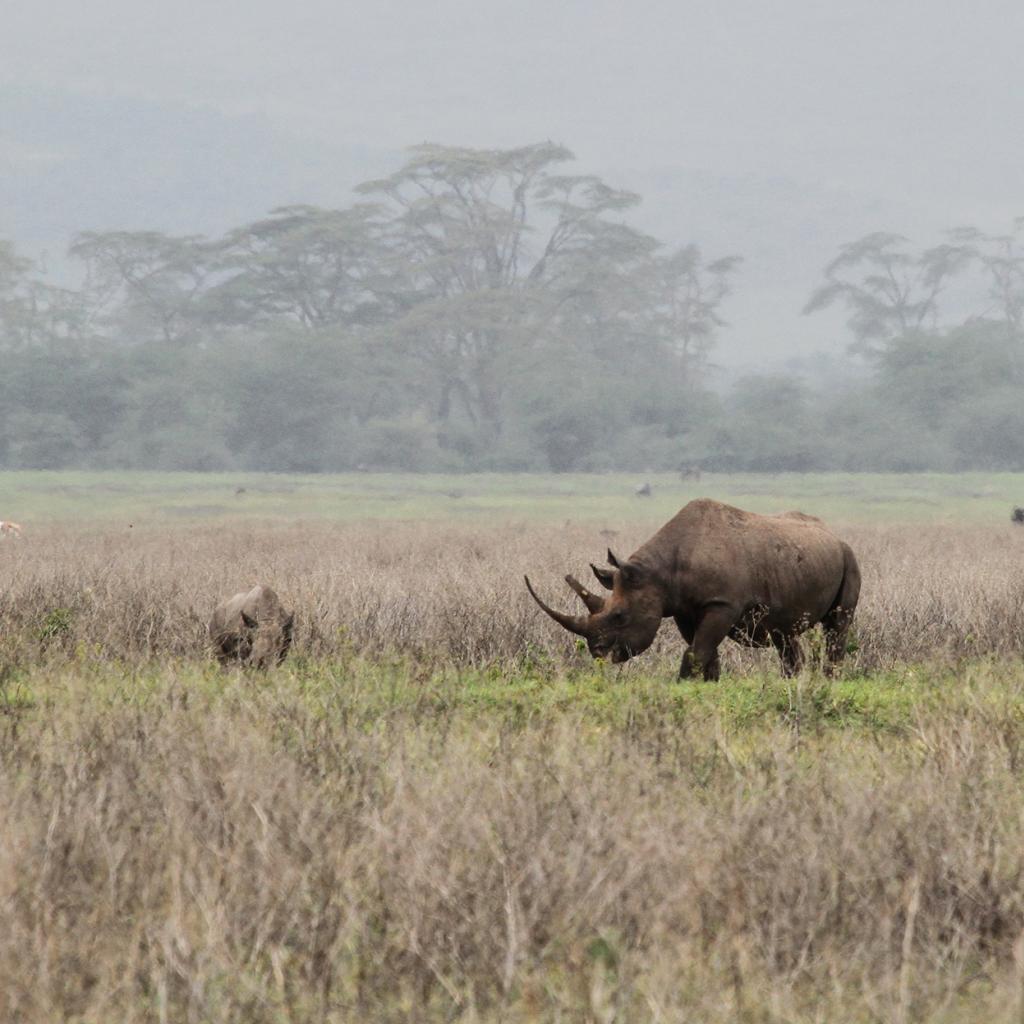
x=944, y=333
x=484, y=309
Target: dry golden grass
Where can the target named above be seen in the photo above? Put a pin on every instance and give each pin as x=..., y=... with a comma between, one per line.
x=183, y=845
x=253, y=852
x=455, y=594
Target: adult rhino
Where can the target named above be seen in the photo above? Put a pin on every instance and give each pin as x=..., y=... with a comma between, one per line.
x=722, y=572
x=252, y=628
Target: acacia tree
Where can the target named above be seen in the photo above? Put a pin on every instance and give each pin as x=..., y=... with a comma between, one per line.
x=306, y=266
x=889, y=290
x=686, y=305
x=55, y=318
x=1001, y=259
x=34, y=314
x=486, y=293
x=493, y=247
x=14, y=280
x=151, y=284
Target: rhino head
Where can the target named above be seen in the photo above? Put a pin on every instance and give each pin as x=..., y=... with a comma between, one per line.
x=265, y=643
x=622, y=624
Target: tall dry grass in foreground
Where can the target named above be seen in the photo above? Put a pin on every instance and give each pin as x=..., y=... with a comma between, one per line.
x=455, y=594
x=258, y=853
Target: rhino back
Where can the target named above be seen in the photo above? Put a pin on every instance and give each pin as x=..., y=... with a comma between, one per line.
x=263, y=604
x=712, y=551
x=260, y=603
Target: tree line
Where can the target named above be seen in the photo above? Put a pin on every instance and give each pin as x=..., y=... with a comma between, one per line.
x=485, y=309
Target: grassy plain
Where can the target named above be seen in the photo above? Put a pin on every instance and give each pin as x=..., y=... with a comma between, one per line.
x=439, y=809
x=42, y=497
x=371, y=840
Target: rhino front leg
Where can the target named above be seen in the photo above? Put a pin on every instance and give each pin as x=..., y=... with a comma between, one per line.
x=702, y=654
x=687, y=666
x=690, y=666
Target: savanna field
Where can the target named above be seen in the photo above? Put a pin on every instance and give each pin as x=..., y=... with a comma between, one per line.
x=439, y=809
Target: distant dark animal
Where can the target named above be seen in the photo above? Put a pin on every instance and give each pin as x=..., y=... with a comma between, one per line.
x=643, y=491
x=9, y=529
x=722, y=572
x=239, y=491
x=1017, y=515
x=252, y=628
x=689, y=473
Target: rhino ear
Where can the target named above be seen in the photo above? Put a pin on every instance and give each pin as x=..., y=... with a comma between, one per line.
x=612, y=560
x=604, y=576
x=249, y=621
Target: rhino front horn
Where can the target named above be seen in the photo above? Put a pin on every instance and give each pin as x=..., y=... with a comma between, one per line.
x=574, y=623
x=592, y=601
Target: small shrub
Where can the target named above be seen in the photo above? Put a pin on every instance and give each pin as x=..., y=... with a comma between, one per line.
x=56, y=626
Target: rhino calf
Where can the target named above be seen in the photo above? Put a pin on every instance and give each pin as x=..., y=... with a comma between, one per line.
x=252, y=628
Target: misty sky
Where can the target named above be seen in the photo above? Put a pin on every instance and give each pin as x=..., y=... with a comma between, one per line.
x=912, y=108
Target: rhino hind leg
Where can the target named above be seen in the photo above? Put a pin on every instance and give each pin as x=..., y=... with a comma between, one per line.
x=837, y=626
x=837, y=621
x=790, y=652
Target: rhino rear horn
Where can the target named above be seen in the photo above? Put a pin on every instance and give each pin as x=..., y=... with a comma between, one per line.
x=574, y=623
x=592, y=601
x=612, y=560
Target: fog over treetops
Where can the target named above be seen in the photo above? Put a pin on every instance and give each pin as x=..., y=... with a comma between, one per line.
x=775, y=135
